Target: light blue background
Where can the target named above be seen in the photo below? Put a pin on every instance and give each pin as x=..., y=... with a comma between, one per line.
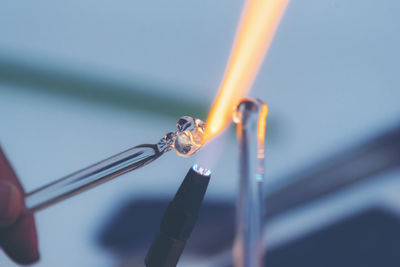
x=331, y=79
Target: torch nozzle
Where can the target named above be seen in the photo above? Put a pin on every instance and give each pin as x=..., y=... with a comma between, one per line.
x=179, y=219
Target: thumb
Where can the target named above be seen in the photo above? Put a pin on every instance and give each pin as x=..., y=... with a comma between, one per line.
x=10, y=203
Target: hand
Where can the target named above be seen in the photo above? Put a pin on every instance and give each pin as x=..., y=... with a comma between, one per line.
x=18, y=236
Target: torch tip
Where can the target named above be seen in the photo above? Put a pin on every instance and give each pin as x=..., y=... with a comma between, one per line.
x=200, y=170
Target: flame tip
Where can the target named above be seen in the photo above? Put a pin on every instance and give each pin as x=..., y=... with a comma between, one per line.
x=255, y=31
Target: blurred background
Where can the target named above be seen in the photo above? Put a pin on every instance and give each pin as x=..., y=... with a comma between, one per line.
x=80, y=81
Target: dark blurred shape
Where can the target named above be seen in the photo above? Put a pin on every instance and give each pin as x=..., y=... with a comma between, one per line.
x=356, y=164
x=369, y=239
x=97, y=88
x=133, y=226
x=215, y=229
x=371, y=235
x=131, y=230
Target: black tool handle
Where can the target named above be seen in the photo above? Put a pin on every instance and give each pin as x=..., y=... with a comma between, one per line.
x=178, y=221
x=165, y=251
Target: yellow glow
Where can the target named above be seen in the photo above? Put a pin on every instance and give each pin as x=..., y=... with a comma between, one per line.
x=256, y=29
x=261, y=124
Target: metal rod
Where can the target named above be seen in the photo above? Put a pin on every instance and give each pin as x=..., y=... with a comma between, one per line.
x=250, y=117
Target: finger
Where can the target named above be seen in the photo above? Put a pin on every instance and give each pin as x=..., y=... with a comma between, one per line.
x=10, y=203
x=20, y=240
x=7, y=173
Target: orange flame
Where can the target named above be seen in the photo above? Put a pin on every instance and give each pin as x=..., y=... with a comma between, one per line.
x=256, y=29
x=261, y=124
